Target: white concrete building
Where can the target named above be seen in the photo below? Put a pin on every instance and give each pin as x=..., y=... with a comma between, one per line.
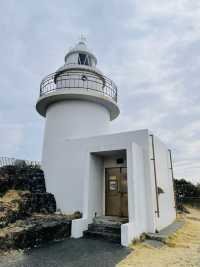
x=122, y=175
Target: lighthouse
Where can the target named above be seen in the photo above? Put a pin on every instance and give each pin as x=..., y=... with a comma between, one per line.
x=121, y=183
x=77, y=100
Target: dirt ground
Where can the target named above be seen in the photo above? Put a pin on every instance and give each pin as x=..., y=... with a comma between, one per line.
x=182, y=249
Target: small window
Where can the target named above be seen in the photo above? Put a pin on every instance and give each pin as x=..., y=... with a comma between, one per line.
x=83, y=59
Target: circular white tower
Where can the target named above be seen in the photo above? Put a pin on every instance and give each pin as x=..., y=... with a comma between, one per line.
x=77, y=100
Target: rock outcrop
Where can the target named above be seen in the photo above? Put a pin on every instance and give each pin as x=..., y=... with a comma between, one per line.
x=15, y=205
x=22, y=178
x=27, y=212
x=34, y=230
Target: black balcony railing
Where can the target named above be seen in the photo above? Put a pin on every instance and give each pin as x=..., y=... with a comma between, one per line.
x=81, y=80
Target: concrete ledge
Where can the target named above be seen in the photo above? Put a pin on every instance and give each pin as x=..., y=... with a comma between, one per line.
x=80, y=94
x=78, y=227
x=165, y=233
x=127, y=234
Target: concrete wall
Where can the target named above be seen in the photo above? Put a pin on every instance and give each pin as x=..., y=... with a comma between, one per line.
x=74, y=174
x=65, y=175
x=60, y=162
x=66, y=164
x=164, y=181
x=96, y=186
x=140, y=218
x=137, y=201
x=73, y=119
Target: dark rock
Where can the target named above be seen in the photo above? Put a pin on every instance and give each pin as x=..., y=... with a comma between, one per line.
x=38, y=202
x=17, y=205
x=27, y=211
x=35, y=231
x=9, y=216
x=22, y=178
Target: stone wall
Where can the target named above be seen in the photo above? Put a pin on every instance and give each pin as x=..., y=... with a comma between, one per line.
x=22, y=178
x=27, y=212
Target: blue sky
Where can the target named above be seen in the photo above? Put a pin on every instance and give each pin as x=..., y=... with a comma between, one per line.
x=150, y=48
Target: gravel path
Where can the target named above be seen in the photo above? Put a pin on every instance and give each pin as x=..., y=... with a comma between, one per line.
x=71, y=252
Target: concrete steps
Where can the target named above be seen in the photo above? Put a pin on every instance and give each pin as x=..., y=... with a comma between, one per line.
x=107, y=228
x=110, y=220
x=115, y=238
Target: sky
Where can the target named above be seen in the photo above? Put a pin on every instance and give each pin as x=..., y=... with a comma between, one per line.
x=150, y=48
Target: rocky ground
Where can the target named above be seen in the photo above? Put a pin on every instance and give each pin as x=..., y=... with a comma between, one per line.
x=181, y=250
x=27, y=212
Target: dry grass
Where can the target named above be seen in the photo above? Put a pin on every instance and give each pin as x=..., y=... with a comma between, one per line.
x=11, y=195
x=182, y=249
x=9, y=202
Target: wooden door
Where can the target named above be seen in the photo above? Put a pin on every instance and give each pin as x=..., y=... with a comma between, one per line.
x=113, y=196
x=116, y=192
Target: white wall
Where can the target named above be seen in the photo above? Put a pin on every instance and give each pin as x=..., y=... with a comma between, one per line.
x=140, y=207
x=75, y=177
x=66, y=164
x=164, y=181
x=137, y=200
x=75, y=118
x=62, y=163
x=65, y=175
x=96, y=185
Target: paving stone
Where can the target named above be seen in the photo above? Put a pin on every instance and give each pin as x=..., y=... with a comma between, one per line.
x=172, y=228
x=154, y=243
x=164, y=234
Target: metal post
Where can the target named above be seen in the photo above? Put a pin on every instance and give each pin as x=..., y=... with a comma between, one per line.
x=155, y=175
x=172, y=172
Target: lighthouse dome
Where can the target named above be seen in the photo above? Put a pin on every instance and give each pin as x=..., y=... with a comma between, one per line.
x=80, y=55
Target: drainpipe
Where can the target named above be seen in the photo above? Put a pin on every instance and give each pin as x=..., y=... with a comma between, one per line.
x=172, y=172
x=155, y=176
